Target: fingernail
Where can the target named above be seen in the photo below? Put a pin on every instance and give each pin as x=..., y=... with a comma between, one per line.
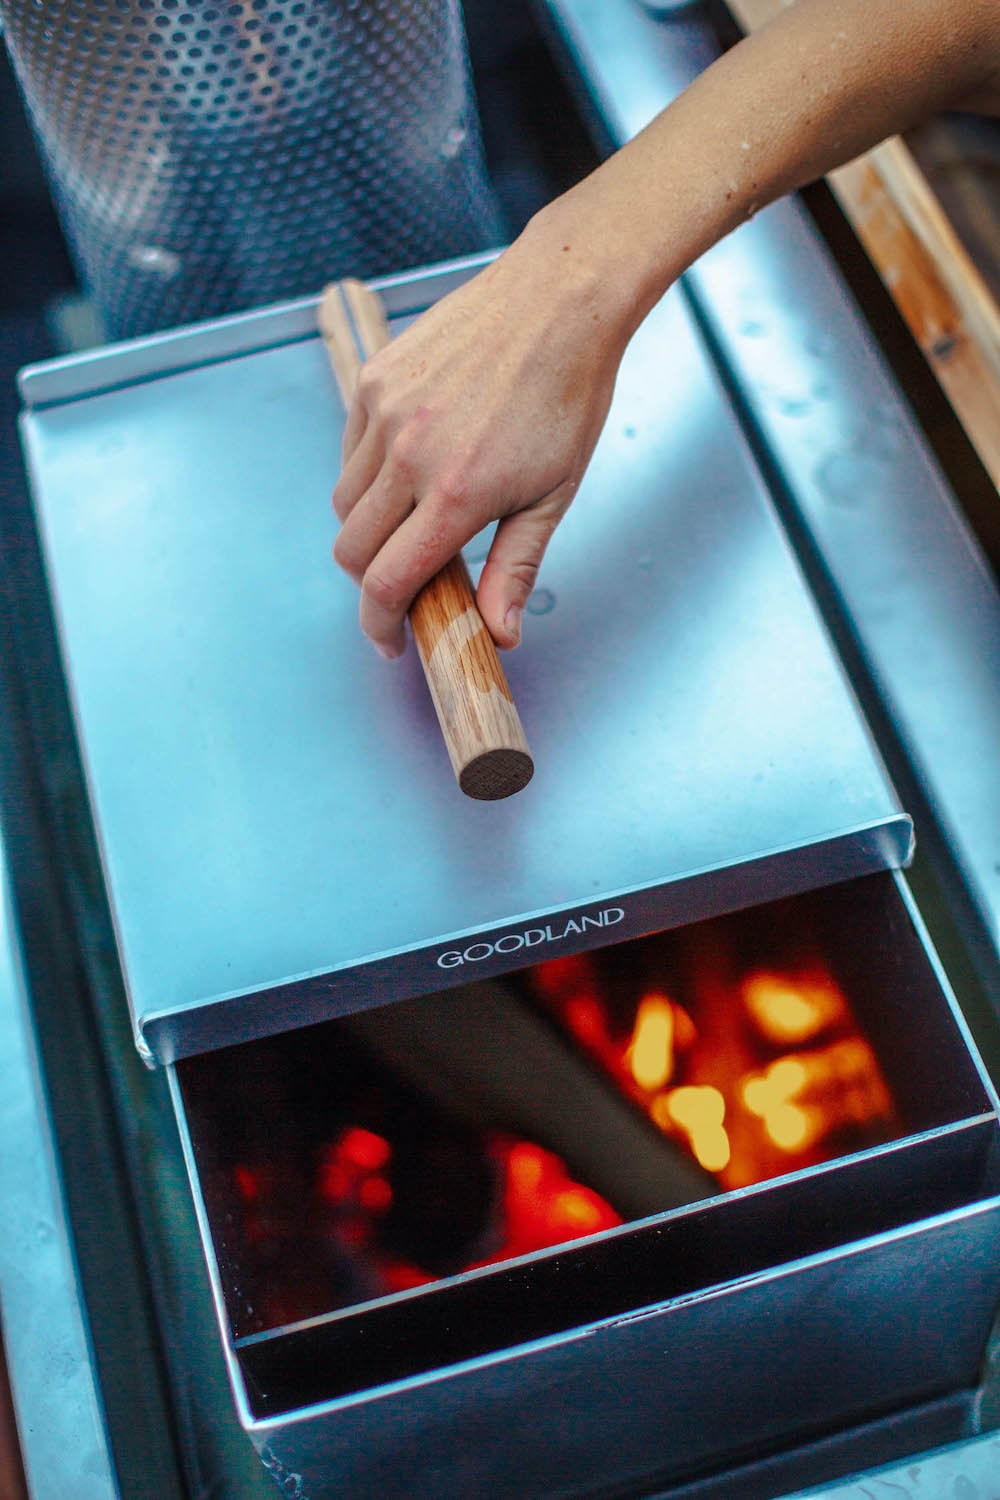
x=512, y=622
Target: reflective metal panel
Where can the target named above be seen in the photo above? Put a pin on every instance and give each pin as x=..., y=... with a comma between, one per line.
x=647, y=1353
x=274, y=803
x=918, y=591
x=58, y=1404
x=681, y=1387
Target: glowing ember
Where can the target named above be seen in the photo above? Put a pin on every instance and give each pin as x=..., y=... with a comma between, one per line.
x=526, y=1165
x=586, y=1019
x=804, y=1096
x=763, y=1092
x=364, y=1149
x=699, y=1110
x=248, y=1183
x=792, y=1128
x=707, y=1073
x=651, y=1053
x=375, y=1195
x=792, y=1009
x=351, y=1178
x=762, y=1070
x=542, y=1204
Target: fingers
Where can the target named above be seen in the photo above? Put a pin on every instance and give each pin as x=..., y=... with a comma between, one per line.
x=511, y=568
x=354, y=427
x=358, y=473
x=372, y=519
x=393, y=547
x=411, y=556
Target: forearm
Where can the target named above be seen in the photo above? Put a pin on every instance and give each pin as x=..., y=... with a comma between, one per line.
x=489, y=407
x=811, y=90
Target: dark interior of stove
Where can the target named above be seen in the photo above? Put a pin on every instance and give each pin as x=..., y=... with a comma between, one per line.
x=416, y=1184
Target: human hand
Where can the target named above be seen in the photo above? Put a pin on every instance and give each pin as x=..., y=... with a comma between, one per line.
x=490, y=406
x=487, y=409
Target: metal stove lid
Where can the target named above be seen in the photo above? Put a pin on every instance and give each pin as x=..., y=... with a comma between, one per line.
x=281, y=834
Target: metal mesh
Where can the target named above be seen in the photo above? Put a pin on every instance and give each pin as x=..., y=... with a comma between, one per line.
x=207, y=157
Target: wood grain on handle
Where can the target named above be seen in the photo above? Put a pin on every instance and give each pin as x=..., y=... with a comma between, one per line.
x=480, y=724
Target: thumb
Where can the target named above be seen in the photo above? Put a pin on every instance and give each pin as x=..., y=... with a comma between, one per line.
x=511, y=568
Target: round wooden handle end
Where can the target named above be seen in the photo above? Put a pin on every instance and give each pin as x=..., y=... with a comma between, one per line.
x=496, y=774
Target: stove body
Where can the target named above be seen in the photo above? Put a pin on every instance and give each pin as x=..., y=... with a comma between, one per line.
x=736, y=1340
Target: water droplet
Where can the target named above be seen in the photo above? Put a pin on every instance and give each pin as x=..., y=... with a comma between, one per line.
x=541, y=602
x=155, y=258
x=821, y=391
x=751, y=329
x=646, y=560
x=629, y=432
x=453, y=142
x=880, y=439
x=849, y=478
x=820, y=344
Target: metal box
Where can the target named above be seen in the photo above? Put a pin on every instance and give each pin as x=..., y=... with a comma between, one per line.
x=283, y=847
x=667, y=1348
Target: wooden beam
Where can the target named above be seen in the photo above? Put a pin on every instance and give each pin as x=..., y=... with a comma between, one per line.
x=934, y=282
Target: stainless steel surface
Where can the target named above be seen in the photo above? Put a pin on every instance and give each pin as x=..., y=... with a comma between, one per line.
x=965, y=1471
x=89, y=373
x=57, y=1402
x=742, y=1360
x=214, y=158
x=922, y=600
x=630, y=61
x=916, y=588
x=266, y=787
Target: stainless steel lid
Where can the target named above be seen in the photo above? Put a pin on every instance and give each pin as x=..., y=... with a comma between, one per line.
x=281, y=834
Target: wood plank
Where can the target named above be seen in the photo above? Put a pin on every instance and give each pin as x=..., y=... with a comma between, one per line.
x=934, y=282
x=12, y=1482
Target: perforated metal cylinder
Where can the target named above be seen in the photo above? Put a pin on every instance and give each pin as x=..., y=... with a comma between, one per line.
x=207, y=157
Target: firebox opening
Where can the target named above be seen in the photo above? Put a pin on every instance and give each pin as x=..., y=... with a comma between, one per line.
x=371, y=1157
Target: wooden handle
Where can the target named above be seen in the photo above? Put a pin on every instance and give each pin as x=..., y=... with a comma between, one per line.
x=480, y=724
